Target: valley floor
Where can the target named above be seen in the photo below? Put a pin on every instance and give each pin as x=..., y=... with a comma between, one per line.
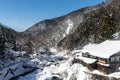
x=55, y=65
x=62, y=67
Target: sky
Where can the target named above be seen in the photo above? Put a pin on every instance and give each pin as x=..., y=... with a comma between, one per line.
x=22, y=14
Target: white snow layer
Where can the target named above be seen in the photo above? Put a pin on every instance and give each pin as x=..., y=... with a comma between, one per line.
x=103, y=50
x=116, y=35
x=86, y=60
x=69, y=27
x=13, y=71
x=64, y=70
x=58, y=65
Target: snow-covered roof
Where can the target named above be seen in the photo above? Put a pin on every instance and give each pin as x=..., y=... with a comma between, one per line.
x=86, y=60
x=107, y=65
x=104, y=49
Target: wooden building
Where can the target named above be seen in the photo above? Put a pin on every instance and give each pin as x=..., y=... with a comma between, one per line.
x=106, y=53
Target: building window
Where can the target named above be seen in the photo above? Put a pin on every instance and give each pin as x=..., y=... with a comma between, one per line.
x=108, y=60
x=86, y=54
x=115, y=59
x=102, y=61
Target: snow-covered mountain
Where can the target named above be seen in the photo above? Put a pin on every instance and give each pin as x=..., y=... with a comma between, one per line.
x=31, y=50
x=74, y=30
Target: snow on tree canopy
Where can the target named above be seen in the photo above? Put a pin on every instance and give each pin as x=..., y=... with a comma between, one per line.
x=104, y=49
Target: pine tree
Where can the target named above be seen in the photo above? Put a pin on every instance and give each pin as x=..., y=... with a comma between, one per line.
x=28, y=46
x=2, y=41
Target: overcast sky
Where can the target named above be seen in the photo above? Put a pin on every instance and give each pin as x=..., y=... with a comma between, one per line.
x=22, y=14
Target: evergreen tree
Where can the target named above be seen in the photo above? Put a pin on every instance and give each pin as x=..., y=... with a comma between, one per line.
x=2, y=41
x=28, y=46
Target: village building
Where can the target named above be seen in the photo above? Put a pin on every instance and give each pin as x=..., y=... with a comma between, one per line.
x=104, y=57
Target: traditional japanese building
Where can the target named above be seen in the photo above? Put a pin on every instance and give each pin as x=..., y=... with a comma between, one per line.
x=106, y=53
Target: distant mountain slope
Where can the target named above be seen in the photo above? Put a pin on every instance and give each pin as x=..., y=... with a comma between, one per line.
x=90, y=24
x=7, y=38
x=98, y=26
x=48, y=33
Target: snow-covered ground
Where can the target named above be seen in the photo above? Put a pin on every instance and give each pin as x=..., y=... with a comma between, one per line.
x=63, y=69
x=11, y=64
x=53, y=66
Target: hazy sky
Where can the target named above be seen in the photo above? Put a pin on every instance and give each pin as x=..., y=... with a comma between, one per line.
x=22, y=14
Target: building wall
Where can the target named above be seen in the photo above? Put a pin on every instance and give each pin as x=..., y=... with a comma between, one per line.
x=114, y=66
x=104, y=69
x=88, y=55
x=114, y=62
x=115, y=59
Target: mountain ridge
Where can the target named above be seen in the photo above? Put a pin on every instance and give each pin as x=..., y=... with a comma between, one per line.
x=53, y=32
x=75, y=29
